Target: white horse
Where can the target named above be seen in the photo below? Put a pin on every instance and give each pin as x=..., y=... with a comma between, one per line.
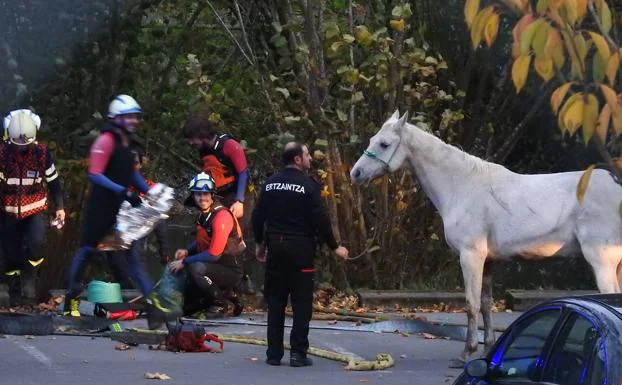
x=491, y=213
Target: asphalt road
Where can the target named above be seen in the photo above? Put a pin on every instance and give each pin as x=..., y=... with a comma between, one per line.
x=65, y=360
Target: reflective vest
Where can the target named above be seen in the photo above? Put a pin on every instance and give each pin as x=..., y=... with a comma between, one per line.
x=218, y=165
x=22, y=175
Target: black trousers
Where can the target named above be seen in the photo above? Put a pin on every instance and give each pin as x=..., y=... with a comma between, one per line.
x=117, y=260
x=206, y=281
x=22, y=239
x=289, y=273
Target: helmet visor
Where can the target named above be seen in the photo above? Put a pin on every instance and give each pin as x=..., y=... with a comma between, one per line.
x=22, y=140
x=204, y=185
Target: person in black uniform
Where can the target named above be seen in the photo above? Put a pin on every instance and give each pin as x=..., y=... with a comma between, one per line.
x=292, y=211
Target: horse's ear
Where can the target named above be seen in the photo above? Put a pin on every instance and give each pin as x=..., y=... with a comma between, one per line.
x=403, y=119
x=396, y=114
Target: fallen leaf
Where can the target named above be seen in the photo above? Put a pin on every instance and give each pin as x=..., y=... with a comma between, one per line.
x=333, y=322
x=403, y=356
x=122, y=347
x=363, y=380
x=157, y=376
x=29, y=337
x=404, y=334
x=428, y=336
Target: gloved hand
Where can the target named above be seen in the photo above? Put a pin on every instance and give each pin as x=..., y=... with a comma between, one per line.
x=133, y=198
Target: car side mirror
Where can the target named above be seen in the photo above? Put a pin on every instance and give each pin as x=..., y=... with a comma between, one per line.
x=477, y=368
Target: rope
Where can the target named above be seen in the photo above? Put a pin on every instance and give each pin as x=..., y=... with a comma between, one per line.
x=382, y=361
x=364, y=252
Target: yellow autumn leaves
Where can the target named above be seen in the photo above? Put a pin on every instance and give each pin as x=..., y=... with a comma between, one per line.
x=583, y=110
x=538, y=38
x=484, y=24
x=548, y=38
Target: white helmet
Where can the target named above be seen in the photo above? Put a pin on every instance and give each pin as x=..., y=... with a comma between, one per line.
x=123, y=104
x=21, y=126
x=202, y=182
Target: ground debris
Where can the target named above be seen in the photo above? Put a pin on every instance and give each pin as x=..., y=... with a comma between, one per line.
x=429, y=336
x=157, y=376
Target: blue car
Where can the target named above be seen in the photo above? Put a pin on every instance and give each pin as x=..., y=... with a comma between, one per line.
x=566, y=341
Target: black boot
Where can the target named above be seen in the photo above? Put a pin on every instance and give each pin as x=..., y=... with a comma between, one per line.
x=232, y=297
x=273, y=361
x=15, y=288
x=28, y=286
x=299, y=359
x=246, y=286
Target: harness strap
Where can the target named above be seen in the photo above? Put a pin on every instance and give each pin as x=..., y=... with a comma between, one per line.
x=385, y=163
x=208, y=220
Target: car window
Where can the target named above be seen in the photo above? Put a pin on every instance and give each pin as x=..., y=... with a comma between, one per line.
x=598, y=370
x=569, y=362
x=518, y=358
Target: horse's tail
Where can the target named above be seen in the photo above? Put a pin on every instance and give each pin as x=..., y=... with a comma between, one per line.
x=619, y=274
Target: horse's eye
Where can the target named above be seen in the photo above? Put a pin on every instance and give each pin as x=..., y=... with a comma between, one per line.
x=383, y=145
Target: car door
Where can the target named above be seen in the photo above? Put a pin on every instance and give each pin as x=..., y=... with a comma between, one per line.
x=517, y=359
x=577, y=356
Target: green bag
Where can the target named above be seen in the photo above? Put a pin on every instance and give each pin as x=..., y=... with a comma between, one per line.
x=170, y=292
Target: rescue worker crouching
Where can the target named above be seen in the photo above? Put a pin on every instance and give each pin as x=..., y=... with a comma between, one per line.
x=224, y=159
x=27, y=172
x=211, y=261
x=290, y=211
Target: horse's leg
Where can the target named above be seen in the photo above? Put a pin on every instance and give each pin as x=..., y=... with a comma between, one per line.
x=472, y=264
x=487, y=303
x=605, y=265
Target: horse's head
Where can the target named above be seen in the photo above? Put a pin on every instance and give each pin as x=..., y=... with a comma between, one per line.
x=385, y=154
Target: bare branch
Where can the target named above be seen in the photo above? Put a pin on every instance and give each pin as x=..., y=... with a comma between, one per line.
x=226, y=27
x=516, y=133
x=590, y=6
x=244, y=35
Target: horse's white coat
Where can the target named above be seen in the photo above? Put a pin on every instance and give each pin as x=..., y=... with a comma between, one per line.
x=491, y=213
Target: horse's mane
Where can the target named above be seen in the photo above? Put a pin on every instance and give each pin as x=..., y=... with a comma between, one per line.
x=473, y=164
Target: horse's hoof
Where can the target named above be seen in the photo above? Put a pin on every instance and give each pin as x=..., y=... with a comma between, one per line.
x=457, y=363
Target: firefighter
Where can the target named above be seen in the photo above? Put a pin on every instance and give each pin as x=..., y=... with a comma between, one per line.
x=224, y=159
x=27, y=172
x=289, y=213
x=111, y=171
x=212, y=259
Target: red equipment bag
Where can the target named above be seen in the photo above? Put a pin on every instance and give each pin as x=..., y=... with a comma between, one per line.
x=191, y=338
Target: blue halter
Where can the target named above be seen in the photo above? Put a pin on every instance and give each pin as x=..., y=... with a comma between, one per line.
x=385, y=163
